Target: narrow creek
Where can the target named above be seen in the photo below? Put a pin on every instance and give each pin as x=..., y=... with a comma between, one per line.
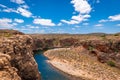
x=48, y=72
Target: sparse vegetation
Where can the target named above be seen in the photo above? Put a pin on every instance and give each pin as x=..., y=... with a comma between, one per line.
x=116, y=34
x=9, y=33
x=82, y=65
x=111, y=63
x=103, y=37
x=90, y=48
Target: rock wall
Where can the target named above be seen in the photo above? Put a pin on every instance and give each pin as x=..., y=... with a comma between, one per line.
x=7, y=72
x=105, y=48
x=21, y=64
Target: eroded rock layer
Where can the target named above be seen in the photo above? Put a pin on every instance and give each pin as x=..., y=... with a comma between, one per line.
x=16, y=58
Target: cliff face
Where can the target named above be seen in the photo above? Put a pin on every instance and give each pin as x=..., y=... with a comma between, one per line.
x=7, y=72
x=105, y=47
x=16, y=58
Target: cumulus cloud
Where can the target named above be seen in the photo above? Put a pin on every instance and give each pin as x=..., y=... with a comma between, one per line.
x=6, y=9
x=77, y=26
x=111, y=18
x=25, y=6
x=85, y=24
x=44, y=22
x=3, y=6
x=59, y=24
x=98, y=25
x=118, y=25
x=6, y=23
x=24, y=12
x=102, y=20
x=14, y=24
x=83, y=8
x=70, y=22
x=32, y=27
x=114, y=18
x=22, y=9
x=76, y=19
x=10, y=10
x=19, y=20
x=97, y=1
x=18, y=1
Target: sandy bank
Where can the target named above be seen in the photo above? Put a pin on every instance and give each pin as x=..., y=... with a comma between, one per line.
x=81, y=65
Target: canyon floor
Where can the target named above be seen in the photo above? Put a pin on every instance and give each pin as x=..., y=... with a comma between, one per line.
x=93, y=56
x=81, y=64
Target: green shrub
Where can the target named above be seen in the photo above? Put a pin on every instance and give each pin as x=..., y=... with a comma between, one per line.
x=103, y=36
x=111, y=63
x=90, y=48
x=7, y=35
x=116, y=34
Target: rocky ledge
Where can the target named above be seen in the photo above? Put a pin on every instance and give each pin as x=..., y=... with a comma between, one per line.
x=16, y=58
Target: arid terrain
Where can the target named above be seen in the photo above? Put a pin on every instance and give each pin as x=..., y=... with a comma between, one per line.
x=16, y=57
x=93, y=56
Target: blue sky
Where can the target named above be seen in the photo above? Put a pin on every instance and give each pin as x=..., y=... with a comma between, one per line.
x=60, y=16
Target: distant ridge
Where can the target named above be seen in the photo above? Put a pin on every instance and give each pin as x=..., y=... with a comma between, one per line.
x=10, y=31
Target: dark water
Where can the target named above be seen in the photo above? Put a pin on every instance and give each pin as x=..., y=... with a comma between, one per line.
x=47, y=71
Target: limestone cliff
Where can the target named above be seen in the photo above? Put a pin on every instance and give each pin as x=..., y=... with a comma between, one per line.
x=105, y=47
x=16, y=58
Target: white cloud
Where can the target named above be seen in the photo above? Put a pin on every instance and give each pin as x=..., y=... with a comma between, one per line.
x=102, y=20
x=114, y=18
x=77, y=26
x=73, y=28
x=18, y=1
x=98, y=25
x=70, y=22
x=22, y=9
x=6, y=9
x=45, y=22
x=76, y=19
x=80, y=18
x=6, y=23
x=24, y=6
x=85, y=24
x=9, y=10
x=19, y=20
x=32, y=27
x=111, y=18
x=59, y=24
x=3, y=6
x=118, y=25
x=14, y=24
x=24, y=12
x=97, y=1
x=81, y=6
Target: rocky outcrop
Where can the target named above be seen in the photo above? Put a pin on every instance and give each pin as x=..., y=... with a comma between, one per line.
x=78, y=62
x=7, y=72
x=18, y=56
x=105, y=47
x=7, y=32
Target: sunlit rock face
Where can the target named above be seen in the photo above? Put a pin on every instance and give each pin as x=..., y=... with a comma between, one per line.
x=7, y=72
x=16, y=58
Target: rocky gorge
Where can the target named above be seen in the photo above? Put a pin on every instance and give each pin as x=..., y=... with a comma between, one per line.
x=16, y=57
x=91, y=54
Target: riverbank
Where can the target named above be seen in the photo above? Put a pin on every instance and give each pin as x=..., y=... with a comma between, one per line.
x=81, y=65
x=48, y=72
x=58, y=68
